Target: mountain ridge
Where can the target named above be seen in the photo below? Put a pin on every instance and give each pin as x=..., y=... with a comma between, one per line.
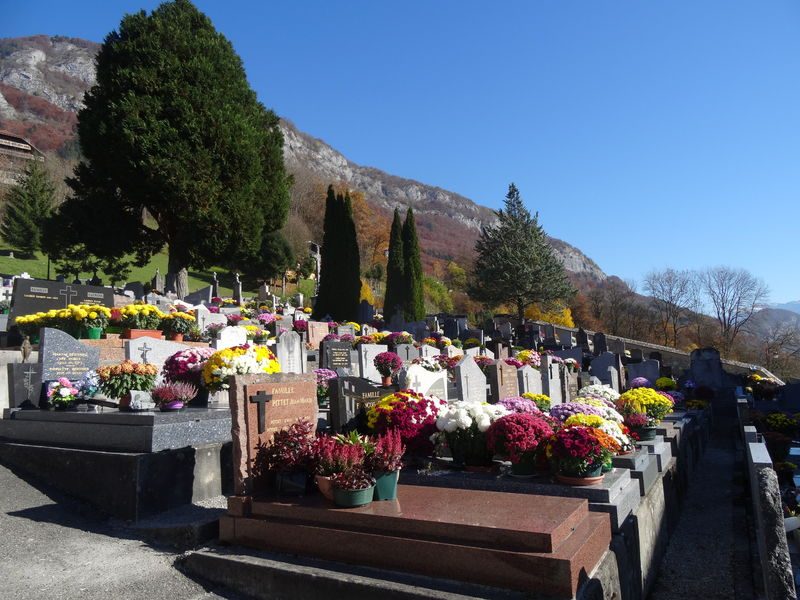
x=42, y=81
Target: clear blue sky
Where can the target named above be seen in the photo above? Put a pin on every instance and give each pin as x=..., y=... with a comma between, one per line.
x=648, y=134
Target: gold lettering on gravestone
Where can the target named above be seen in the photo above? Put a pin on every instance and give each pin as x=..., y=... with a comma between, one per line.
x=340, y=357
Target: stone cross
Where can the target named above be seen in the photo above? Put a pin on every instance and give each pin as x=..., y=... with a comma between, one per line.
x=144, y=349
x=6, y=294
x=28, y=381
x=261, y=400
x=68, y=293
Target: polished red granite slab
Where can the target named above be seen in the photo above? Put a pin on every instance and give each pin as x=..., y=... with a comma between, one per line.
x=524, y=542
x=516, y=522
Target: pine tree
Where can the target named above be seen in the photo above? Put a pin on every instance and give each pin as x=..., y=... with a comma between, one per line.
x=515, y=264
x=29, y=205
x=395, y=268
x=173, y=130
x=414, y=304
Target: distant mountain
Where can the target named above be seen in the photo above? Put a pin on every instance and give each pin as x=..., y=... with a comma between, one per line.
x=790, y=306
x=42, y=82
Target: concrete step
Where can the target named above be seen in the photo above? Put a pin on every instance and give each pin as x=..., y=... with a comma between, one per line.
x=266, y=575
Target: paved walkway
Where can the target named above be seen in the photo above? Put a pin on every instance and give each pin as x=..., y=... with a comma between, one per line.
x=708, y=555
x=52, y=551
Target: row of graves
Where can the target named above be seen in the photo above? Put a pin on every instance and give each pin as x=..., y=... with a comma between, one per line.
x=428, y=404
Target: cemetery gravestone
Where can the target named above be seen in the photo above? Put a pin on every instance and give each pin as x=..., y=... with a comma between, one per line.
x=470, y=381
x=366, y=312
x=425, y=382
x=229, y=337
x=366, y=354
x=201, y=296
x=336, y=356
x=137, y=288
x=530, y=380
x=706, y=368
x=407, y=352
x=397, y=322
x=157, y=282
x=599, y=368
x=261, y=405
x=451, y=329
x=290, y=353
x=237, y=289
x=649, y=369
x=503, y=381
x=582, y=340
x=452, y=351
x=37, y=295
x=575, y=353
x=476, y=351
x=151, y=351
x=346, y=330
x=24, y=383
x=550, y=335
x=61, y=355
x=551, y=380
x=426, y=351
x=317, y=332
x=564, y=337
x=600, y=344
x=351, y=396
x=487, y=353
x=617, y=346
x=214, y=285
x=636, y=355
x=472, y=334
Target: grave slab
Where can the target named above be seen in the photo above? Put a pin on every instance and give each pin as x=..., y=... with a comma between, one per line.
x=661, y=449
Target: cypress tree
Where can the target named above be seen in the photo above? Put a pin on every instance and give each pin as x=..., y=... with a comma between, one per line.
x=395, y=268
x=414, y=305
x=351, y=264
x=326, y=296
x=29, y=205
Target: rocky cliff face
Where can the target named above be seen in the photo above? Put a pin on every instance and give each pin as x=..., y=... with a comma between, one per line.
x=42, y=82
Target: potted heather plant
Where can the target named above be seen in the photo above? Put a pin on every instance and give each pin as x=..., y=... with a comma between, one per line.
x=329, y=456
x=172, y=397
x=518, y=437
x=385, y=462
x=353, y=487
x=387, y=363
x=287, y=456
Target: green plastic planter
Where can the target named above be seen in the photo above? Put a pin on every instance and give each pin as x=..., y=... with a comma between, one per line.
x=353, y=498
x=386, y=485
x=94, y=333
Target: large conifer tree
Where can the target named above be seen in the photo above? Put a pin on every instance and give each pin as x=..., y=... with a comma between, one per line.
x=173, y=130
x=414, y=301
x=395, y=267
x=326, y=296
x=28, y=205
x=515, y=264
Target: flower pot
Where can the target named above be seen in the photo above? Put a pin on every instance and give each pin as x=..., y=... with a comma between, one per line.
x=646, y=434
x=292, y=483
x=201, y=400
x=525, y=467
x=175, y=337
x=588, y=477
x=171, y=406
x=94, y=333
x=386, y=485
x=65, y=407
x=125, y=402
x=353, y=498
x=386, y=381
x=132, y=334
x=325, y=486
x=469, y=450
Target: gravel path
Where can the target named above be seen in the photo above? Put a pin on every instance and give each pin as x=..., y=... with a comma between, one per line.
x=708, y=555
x=54, y=551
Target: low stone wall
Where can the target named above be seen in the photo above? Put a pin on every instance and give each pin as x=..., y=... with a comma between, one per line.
x=767, y=506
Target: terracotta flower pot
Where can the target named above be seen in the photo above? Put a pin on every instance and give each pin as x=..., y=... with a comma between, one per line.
x=590, y=477
x=386, y=381
x=132, y=334
x=175, y=337
x=325, y=486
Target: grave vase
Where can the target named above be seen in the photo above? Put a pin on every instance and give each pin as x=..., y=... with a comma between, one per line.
x=291, y=483
x=386, y=485
x=526, y=466
x=94, y=333
x=175, y=337
x=468, y=449
x=386, y=381
x=646, y=434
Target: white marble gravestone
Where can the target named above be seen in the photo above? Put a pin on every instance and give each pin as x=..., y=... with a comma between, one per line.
x=530, y=380
x=551, y=380
x=229, y=337
x=291, y=353
x=366, y=354
x=428, y=383
x=470, y=381
x=152, y=351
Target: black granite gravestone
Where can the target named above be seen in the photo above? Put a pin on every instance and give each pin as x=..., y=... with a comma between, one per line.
x=350, y=398
x=39, y=295
x=336, y=355
x=24, y=383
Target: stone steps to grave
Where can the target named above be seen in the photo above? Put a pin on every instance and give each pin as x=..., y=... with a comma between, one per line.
x=267, y=575
x=534, y=543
